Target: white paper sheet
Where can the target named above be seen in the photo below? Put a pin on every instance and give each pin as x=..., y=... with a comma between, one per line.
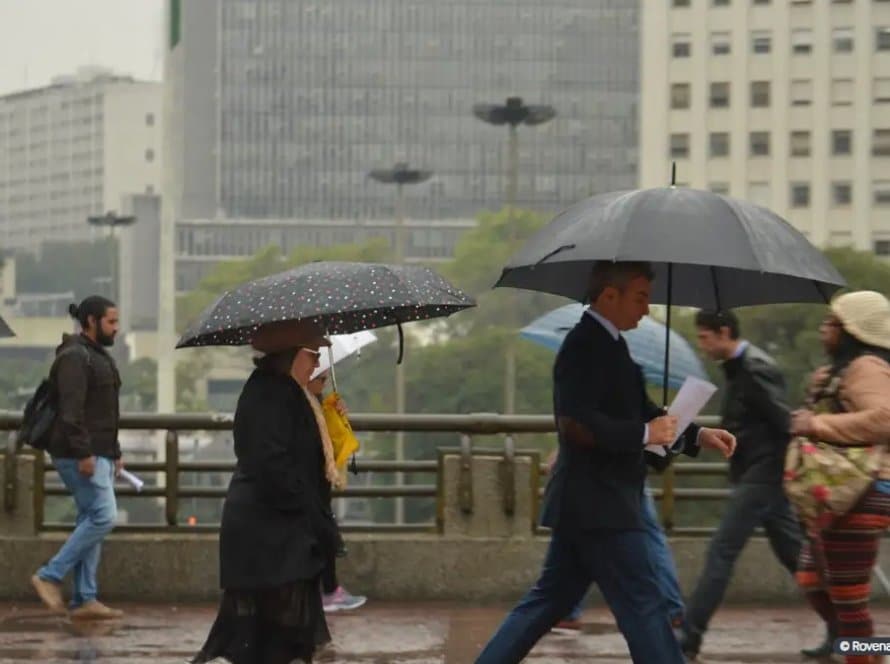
x=127, y=476
x=693, y=396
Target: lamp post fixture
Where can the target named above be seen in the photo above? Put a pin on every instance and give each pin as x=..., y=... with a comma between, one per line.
x=112, y=221
x=401, y=176
x=513, y=112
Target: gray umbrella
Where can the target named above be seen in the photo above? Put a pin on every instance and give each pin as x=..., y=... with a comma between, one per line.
x=708, y=250
x=722, y=252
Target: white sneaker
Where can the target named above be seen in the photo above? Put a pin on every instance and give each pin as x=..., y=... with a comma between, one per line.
x=342, y=600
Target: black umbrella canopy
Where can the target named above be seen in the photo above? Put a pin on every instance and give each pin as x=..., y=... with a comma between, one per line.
x=341, y=297
x=722, y=252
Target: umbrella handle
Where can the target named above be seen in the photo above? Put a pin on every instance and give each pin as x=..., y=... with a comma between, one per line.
x=401, y=343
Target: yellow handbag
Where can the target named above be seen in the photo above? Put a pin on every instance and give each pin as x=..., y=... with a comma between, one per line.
x=343, y=439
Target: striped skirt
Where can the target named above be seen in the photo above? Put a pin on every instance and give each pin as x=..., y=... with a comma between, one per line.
x=835, y=567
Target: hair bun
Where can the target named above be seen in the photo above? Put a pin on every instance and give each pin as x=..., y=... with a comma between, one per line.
x=73, y=310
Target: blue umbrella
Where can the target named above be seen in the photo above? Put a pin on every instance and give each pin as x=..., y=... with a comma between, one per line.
x=646, y=344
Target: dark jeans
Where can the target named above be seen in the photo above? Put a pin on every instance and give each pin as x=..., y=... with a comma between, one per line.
x=619, y=562
x=749, y=506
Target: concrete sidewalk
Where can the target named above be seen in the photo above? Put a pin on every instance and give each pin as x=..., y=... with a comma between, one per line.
x=393, y=633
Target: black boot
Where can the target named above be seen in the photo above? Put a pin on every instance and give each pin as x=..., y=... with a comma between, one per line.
x=825, y=648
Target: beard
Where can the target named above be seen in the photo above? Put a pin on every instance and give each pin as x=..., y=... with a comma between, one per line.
x=106, y=340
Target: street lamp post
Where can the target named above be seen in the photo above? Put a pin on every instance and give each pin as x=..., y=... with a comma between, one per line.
x=112, y=221
x=513, y=112
x=401, y=176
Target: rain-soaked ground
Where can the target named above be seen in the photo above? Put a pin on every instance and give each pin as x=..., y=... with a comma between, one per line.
x=392, y=633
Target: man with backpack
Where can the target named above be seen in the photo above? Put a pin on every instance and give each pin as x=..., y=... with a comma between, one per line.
x=84, y=383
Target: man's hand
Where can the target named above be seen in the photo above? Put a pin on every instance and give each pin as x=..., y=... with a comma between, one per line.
x=118, y=467
x=87, y=466
x=663, y=430
x=717, y=439
x=802, y=423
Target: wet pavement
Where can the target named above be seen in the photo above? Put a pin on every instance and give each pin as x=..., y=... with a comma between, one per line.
x=393, y=633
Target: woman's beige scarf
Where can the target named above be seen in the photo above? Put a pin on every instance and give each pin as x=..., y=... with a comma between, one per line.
x=330, y=467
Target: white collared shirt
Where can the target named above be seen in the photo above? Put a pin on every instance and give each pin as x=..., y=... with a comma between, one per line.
x=605, y=322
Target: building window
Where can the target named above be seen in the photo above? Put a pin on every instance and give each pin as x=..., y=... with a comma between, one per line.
x=882, y=39
x=800, y=144
x=881, y=89
x=841, y=142
x=761, y=2
x=721, y=188
x=149, y=155
x=801, y=92
x=721, y=43
x=680, y=95
x=759, y=141
x=760, y=94
x=681, y=3
x=761, y=42
x=681, y=46
x=149, y=119
x=719, y=144
x=880, y=144
x=800, y=195
x=841, y=194
x=882, y=247
x=760, y=194
x=801, y=41
x=842, y=40
x=719, y=95
x=149, y=189
x=679, y=146
x=720, y=3
x=881, y=189
x=842, y=91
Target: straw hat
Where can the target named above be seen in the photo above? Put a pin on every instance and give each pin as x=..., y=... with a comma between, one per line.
x=284, y=335
x=866, y=316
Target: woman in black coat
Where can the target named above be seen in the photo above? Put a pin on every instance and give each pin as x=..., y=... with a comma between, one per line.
x=277, y=529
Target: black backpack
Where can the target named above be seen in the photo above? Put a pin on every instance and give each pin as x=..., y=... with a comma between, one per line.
x=39, y=417
x=41, y=412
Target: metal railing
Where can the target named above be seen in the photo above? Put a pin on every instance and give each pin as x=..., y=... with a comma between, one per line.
x=464, y=426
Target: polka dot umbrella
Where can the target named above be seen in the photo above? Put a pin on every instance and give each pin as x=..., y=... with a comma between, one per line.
x=340, y=297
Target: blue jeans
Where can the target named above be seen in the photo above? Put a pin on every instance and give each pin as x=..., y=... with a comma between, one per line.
x=96, y=512
x=618, y=561
x=662, y=560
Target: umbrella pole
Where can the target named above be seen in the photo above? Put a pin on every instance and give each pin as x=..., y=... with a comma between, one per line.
x=333, y=373
x=667, y=336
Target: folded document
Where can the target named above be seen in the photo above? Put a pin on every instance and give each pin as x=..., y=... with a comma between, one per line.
x=693, y=396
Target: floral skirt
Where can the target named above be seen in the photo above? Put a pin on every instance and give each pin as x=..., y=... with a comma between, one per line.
x=268, y=626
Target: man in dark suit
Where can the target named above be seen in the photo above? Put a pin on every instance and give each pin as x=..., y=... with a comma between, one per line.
x=604, y=419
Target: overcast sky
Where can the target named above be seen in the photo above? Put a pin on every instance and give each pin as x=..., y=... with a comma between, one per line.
x=40, y=39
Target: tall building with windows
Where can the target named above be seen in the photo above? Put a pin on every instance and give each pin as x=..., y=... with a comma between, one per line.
x=73, y=149
x=277, y=110
x=785, y=103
